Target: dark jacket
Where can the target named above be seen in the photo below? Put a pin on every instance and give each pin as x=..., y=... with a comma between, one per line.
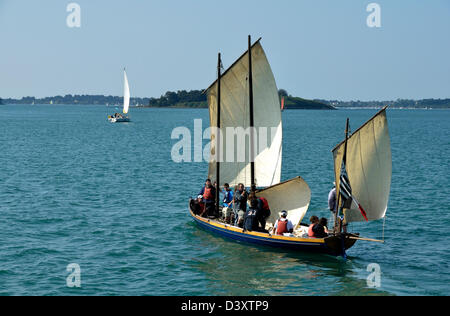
x=241, y=200
x=250, y=220
x=319, y=231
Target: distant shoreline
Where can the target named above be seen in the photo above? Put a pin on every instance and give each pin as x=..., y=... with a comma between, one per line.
x=205, y=108
x=197, y=99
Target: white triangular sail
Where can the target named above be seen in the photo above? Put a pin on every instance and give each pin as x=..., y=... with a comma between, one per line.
x=126, y=93
x=292, y=196
x=235, y=117
x=369, y=168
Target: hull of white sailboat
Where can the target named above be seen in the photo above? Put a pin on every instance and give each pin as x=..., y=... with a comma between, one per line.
x=118, y=120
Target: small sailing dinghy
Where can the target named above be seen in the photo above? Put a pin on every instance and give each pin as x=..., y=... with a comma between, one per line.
x=123, y=117
x=246, y=96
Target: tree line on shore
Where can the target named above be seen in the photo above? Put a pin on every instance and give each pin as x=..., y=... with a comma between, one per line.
x=197, y=99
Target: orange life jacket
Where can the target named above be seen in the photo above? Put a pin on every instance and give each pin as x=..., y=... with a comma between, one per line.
x=282, y=227
x=207, y=195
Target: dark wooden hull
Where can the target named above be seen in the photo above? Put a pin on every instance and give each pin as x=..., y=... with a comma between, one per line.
x=332, y=245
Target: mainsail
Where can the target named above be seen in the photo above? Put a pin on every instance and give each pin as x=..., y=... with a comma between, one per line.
x=234, y=154
x=369, y=168
x=126, y=93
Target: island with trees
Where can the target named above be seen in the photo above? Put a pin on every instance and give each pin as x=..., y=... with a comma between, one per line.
x=197, y=99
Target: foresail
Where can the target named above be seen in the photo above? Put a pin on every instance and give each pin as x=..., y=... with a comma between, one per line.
x=369, y=169
x=235, y=149
x=126, y=94
x=292, y=196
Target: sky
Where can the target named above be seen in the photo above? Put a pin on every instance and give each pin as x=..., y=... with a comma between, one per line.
x=318, y=49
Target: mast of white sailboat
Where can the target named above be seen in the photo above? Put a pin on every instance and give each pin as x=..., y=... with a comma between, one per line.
x=338, y=226
x=218, y=135
x=252, y=123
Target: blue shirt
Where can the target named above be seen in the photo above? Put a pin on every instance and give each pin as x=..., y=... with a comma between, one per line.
x=227, y=198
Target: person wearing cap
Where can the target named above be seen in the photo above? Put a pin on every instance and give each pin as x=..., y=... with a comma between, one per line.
x=332, y=205
x=283, y=225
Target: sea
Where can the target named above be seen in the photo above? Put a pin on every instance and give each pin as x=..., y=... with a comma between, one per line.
x=93, y=208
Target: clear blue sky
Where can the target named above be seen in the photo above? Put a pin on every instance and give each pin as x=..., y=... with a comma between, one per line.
x=317, y=49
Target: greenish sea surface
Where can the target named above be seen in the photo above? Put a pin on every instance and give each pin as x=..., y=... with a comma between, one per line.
x=108, y=197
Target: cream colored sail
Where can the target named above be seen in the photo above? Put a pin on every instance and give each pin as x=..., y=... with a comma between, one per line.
x=292, y=196
x=126, y=93
x=369, y=168
x=235, y=166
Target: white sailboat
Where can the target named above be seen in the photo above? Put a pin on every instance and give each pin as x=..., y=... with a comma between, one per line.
x=118, y=117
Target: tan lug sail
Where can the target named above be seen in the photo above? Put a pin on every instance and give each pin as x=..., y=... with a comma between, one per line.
x=369, y=168
x=235, y=150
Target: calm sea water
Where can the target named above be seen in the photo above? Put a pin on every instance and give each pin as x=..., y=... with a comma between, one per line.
x=77, y=189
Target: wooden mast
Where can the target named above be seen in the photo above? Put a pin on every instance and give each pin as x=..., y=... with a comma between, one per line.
x=338, y=226
x=218, y=135
x=252, y=123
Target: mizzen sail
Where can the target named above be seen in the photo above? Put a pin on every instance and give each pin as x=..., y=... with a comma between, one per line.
x=234, y=153
x=368, y=166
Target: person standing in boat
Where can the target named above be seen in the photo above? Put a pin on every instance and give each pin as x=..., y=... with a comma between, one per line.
x=251, y=217
x=332, y=205
x=240, y=204
x=209, y=198
x=227, y=196
x=283, y=225
x=227, y=203
x=262, y=210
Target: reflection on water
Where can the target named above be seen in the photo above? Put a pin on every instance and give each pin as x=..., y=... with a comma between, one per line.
x=235, y=268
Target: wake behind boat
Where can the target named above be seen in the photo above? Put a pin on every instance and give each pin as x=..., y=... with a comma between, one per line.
x=248, y=91
x=119, y=117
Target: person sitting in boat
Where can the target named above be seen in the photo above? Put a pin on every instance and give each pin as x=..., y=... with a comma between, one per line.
x=250, y=220
x=324, y=222
x=283, y=225
x=313, y=220
x=319, y=229
x=197, y=205
x=208, y=193
x=240, y=204
x=332, y=205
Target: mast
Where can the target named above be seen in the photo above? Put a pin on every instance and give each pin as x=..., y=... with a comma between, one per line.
x=252, y=123
x=338, y=227
x=219, y=75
